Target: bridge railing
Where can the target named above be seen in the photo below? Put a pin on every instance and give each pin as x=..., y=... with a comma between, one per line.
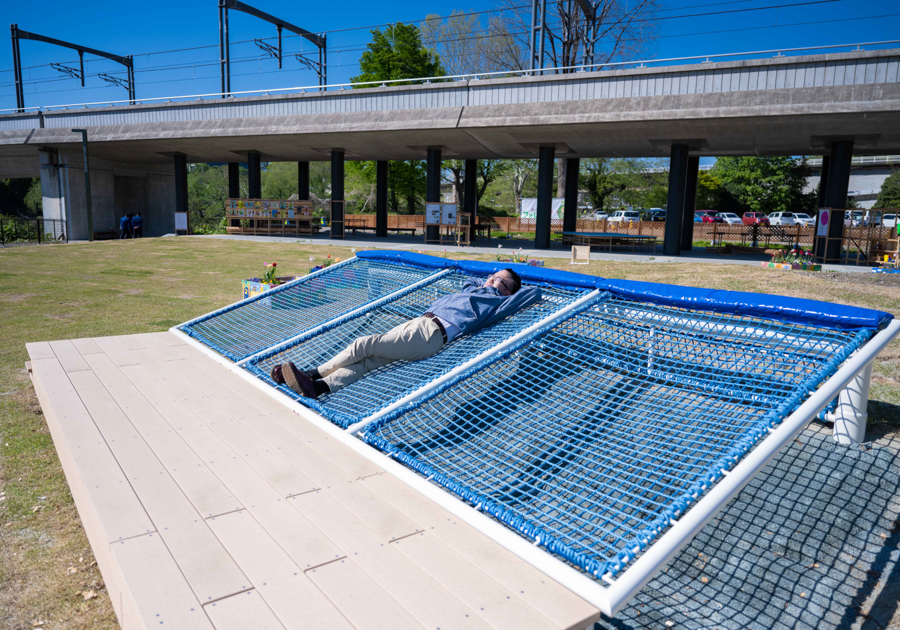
x=556, y=70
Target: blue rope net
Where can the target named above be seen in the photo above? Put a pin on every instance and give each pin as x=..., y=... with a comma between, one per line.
x=382, y=387
x=284, y=312
x=592, y=436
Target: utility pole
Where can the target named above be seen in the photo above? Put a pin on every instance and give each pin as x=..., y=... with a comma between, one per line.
x=87, y=183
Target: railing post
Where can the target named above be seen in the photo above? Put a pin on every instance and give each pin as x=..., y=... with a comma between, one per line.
x=2, y=234
x=37, y=222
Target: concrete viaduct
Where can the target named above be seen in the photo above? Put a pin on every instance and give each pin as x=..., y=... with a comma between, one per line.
x=835, y=105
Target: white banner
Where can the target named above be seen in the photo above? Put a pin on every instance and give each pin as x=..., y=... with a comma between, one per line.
x=433, y=213
x=529, y=208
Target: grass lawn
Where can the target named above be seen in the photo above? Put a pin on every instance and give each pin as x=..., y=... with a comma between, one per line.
x=47, y=570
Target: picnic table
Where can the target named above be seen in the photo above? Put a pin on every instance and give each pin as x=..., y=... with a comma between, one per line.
x=608, y=240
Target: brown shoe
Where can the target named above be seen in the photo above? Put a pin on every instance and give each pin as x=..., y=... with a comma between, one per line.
x=277, y=375
x=298, y=381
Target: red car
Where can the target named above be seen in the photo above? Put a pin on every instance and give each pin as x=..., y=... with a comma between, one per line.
x=709, y=216
x=755, y=218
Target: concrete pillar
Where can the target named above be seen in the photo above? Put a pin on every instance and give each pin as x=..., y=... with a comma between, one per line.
x=836, y=192
x=823, y=181
x=433, y=189
x=337, y=193
x=381, y=197
x=181, y=183
x=254, y=175
x=470, y=191
x=234, y=180
x=54, y=206
x=544, y=197
x=678, y=164
x=115, y=190
x=690, y=204
x=303, y=181
x=570, y=214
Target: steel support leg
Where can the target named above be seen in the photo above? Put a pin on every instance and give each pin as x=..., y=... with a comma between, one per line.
x=254, y=175
x=234, y=180
x=470, y=192
x=433, y=190
x=570, y=214
x=546, y=162
x=303, y=181
x=675, y=208
x=836, y=193
x=851, y=415
x=337, y=193
x=381, y=198
x=690, y=204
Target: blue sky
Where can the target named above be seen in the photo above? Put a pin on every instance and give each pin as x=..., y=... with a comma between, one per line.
x=146, y=30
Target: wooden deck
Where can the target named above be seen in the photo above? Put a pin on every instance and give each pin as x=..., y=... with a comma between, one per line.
x=211, y=505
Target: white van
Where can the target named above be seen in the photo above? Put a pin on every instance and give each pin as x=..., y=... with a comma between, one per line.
x=625, y=216
x=782, y=218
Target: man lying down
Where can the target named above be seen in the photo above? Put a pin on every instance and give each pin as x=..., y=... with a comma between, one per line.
x=477, y=305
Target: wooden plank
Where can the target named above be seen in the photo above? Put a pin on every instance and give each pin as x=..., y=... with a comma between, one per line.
x=341, y=455
x=208, y=568
x=91, y=465
x=159, y=594
x=240, y=612
x=425, y=599
x=360, y=599
x=498, y=605
x=111, y=348
x=206, y=491
x=288, y=591
x=381, y=516
x=308, y=546
x=549, y=597
x=68, y=356
x=131, y=342
x=265, y=459
x=86, y=346
x=40, y=350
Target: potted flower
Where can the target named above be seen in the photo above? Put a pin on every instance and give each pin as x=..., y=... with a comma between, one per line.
x=255, y=286
x=518, y=257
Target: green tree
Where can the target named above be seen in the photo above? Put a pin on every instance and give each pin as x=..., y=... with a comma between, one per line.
x=279, y=180
x=889, y=196
x=766, y=184
x=34, y=199
x=397, y=53
x=207, y=192
x=710, y=194
x=12, y=197
x=597, y=178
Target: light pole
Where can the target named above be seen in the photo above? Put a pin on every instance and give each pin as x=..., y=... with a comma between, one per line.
x=87, y=183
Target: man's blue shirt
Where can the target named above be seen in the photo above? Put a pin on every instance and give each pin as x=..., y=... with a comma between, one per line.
x=477, y=306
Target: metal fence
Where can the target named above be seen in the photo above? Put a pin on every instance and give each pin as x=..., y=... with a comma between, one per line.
x=18, y=231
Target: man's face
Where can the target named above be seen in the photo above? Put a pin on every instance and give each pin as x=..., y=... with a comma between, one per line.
x=502, y=282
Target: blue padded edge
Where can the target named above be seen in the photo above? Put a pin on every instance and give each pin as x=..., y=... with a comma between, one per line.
x=777, y=307
x=641, y=539
x=407, y=258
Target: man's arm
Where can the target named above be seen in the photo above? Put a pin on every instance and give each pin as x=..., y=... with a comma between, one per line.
x=526, y=296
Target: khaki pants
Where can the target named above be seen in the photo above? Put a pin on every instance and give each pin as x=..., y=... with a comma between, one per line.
x=414, y=340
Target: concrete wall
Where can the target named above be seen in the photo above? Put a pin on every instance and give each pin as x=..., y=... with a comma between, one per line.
x=115, y=191
x=865, y=180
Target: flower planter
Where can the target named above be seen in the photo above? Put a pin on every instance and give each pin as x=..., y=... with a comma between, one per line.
x=249, y=288
x=530, y=263
x=792, y=266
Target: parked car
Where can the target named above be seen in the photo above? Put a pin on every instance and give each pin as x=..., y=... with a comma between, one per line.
x=782, y=218
x=755, y=218
x=656, y=214
x=730, y=218
x=804, y=219
x=856, y=218
x=625, y=216
x=889, y=220
x=596, y=215
x=709, y=216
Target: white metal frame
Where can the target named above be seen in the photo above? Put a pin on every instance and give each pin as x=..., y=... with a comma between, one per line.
x=616, y=594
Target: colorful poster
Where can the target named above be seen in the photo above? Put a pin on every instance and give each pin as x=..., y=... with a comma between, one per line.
x=433, y=213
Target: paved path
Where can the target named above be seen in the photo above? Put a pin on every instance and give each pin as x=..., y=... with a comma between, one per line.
x=482, y=247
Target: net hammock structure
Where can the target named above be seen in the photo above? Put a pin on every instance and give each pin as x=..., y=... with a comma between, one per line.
x=594, y=432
